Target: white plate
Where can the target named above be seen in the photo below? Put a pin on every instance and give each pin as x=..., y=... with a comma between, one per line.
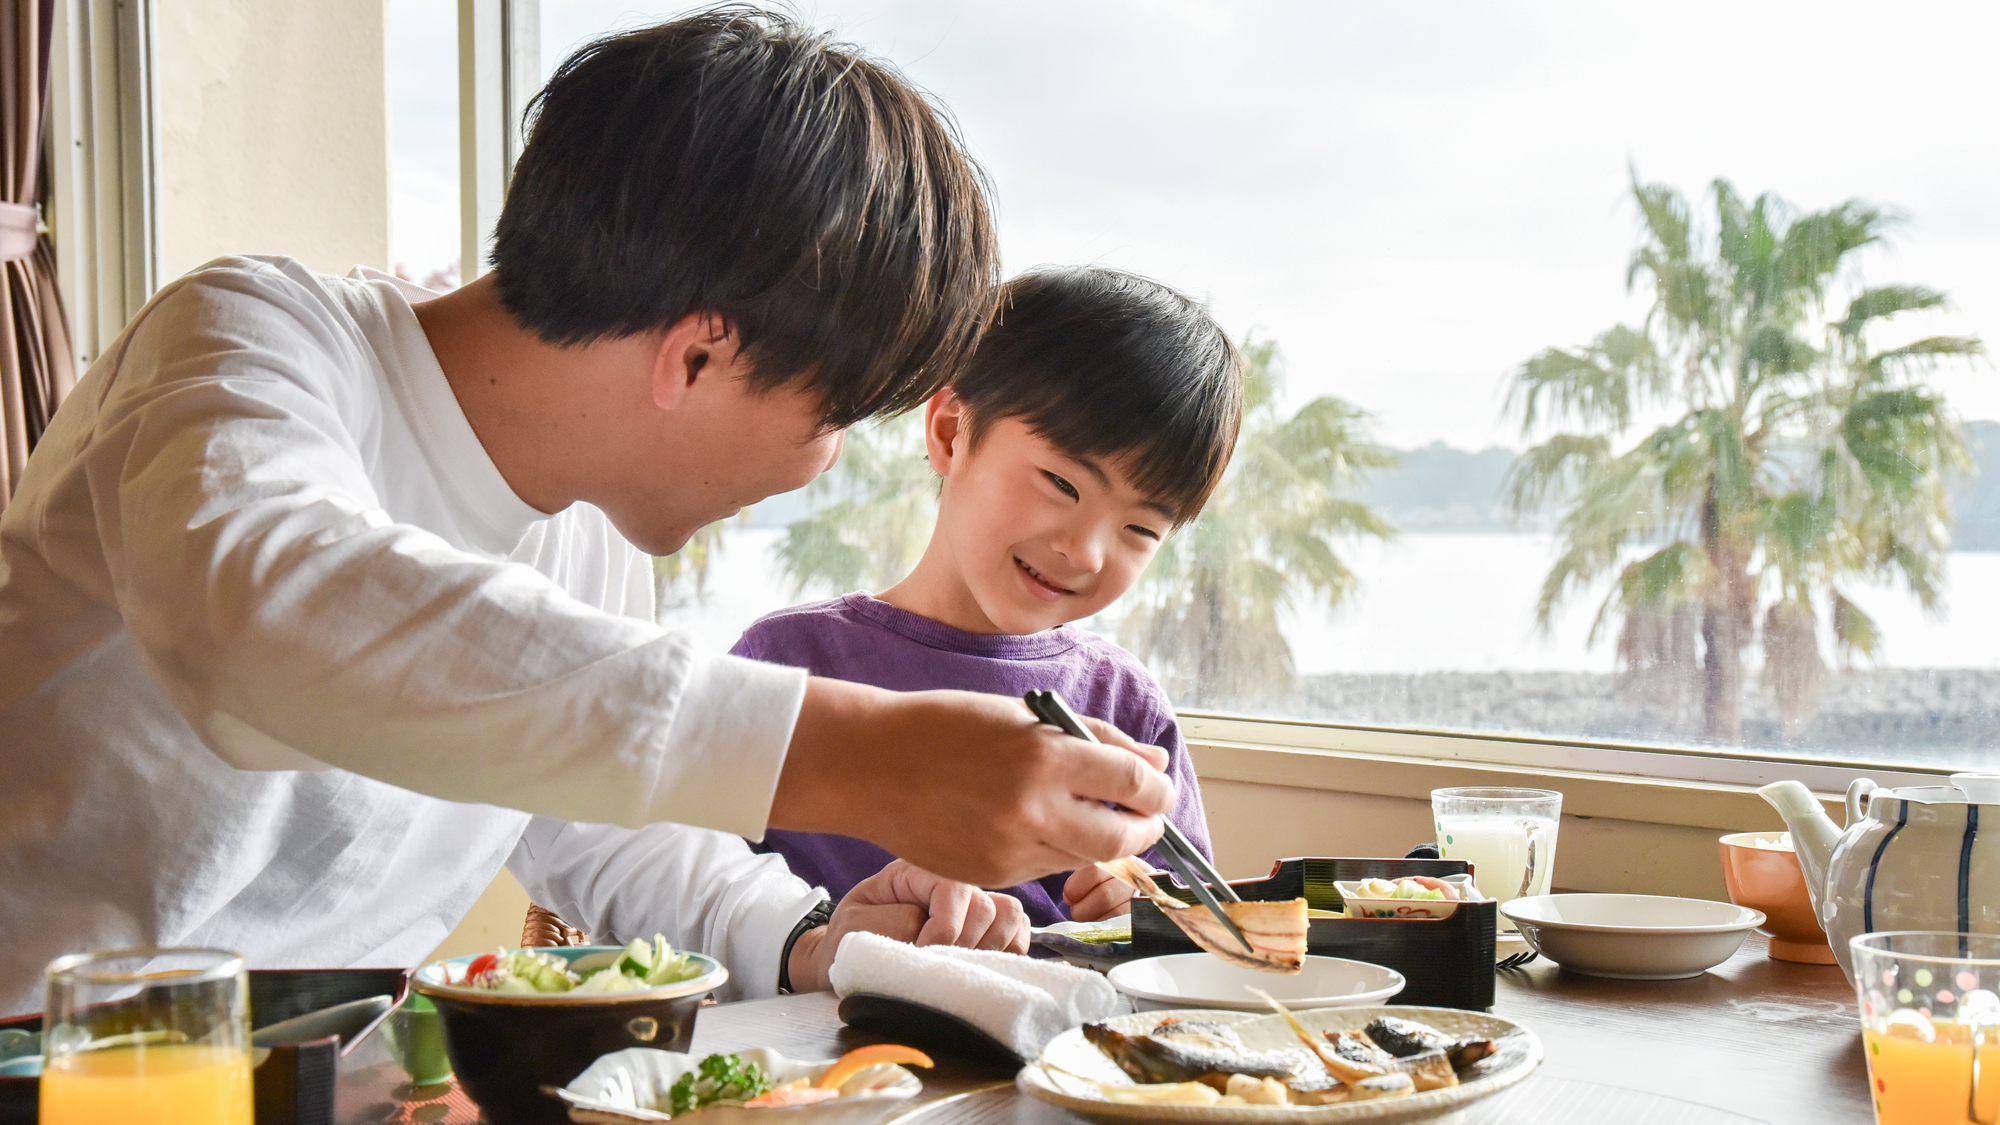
x=1121, y=926
x=622, y=1087
x=1203, y=980
x=1633, y=937
x=1520, y=1053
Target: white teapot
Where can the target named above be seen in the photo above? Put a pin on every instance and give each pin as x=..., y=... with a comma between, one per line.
x=1915, y=859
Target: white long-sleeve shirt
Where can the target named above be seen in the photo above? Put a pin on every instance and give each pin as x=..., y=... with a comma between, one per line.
x=282, y=655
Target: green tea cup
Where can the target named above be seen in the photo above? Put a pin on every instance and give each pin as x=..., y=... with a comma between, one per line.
x=416, y=1040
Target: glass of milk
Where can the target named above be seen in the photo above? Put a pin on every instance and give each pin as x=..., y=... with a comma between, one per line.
x=1507, y=835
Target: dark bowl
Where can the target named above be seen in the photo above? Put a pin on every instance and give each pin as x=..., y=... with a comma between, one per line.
x=506, y=1046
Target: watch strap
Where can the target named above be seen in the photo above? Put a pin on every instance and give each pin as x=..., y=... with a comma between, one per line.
x=816, y=917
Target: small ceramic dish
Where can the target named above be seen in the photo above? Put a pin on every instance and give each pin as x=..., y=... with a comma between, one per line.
x=1203, y=980
x=1769, y=879
x=629, y=1087
x=22, y=1066
x=506, y=1046
x=1110, y=931
x=1362, y=906
x=20, y=1053
x=1632, y=937
x=1089, y=945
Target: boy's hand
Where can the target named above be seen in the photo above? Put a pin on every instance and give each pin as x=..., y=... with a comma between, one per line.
x=910, y=904
x=967, y=785
x=1094, y=894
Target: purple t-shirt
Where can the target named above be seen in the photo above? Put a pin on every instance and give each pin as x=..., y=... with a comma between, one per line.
x=868, y=641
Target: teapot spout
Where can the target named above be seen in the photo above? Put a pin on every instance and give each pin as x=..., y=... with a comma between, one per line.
x=1813, y=833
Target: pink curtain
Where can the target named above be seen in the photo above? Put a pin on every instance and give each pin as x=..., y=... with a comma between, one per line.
x=37, y=367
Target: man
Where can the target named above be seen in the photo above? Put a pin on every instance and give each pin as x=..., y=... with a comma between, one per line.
x=309, y=587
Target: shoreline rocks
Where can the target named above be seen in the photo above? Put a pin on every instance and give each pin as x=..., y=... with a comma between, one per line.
x=1928, y=716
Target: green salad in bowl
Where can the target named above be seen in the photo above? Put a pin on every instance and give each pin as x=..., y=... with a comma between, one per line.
x=638, y=966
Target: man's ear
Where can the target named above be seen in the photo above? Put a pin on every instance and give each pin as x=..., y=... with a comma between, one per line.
x=697, y=344
x=947, y=430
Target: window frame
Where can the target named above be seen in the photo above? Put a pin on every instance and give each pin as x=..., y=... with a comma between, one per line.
x=500, y=45
x=99, y=138
x=1631, y=781
x=499, y=71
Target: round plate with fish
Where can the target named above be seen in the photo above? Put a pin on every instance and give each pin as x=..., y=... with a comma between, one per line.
x=1326, y=1065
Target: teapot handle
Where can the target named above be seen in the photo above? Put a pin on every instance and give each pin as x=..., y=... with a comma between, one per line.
x=1858, y=793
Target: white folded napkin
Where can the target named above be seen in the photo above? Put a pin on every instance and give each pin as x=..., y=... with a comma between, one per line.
x=1017, y=1000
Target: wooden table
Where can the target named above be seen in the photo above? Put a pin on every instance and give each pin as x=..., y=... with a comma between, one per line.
x=1771, y=1040
x=1753, y=1040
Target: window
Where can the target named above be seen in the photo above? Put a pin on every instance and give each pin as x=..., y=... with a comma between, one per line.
x=424, y=236
x=1782, y=542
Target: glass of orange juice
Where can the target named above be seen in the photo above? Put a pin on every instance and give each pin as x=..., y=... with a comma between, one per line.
x=153, y=1035
x=1930, y=1021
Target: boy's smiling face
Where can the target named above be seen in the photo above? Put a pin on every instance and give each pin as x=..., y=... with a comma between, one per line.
x=1027, y=537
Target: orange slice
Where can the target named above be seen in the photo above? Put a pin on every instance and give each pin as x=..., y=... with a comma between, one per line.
x=791, y=1095
x=861, y=1058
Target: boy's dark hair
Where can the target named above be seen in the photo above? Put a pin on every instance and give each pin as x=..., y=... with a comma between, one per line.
x=734, y=162
x=1107, y=364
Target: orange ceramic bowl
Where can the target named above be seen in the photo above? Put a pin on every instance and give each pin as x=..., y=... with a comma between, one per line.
x=1769, y=880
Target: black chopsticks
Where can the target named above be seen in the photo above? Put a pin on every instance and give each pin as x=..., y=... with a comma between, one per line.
x=1183, y=858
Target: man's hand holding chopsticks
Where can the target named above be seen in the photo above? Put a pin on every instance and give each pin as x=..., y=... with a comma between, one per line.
x=970, y=786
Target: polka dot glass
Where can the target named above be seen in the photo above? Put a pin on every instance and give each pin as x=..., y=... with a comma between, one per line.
x=1930, y=1019
x=1507, y=835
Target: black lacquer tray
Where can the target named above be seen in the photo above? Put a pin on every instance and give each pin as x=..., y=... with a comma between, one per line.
x=1448, y=962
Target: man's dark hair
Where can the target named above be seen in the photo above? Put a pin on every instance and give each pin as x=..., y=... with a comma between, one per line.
x=734, y=162
x=1107, y=364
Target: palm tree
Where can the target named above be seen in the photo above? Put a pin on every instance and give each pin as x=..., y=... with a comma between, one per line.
x=1789, y=470
x=873, y=512
x=872, y=516
x=1205, y=616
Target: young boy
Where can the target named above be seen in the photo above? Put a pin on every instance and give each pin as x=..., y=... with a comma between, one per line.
x=1095, y=417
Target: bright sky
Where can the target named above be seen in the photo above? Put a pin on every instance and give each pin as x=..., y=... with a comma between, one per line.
x=1411, y=198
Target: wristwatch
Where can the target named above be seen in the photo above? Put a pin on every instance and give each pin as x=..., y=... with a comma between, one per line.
x=816, y=917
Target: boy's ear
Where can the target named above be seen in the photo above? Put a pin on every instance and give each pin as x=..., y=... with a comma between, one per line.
x=697, y=344
x=945, y=424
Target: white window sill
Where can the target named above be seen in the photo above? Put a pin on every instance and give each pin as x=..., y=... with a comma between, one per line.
x=1656, y=785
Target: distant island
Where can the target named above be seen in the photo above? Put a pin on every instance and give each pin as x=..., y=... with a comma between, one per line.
x=1442, y=488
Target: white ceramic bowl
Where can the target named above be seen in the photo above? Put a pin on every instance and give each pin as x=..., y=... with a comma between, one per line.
x=1203, y=980
x=1633, y=937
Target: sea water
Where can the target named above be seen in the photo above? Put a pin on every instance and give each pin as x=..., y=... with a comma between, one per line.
x=1435, y=601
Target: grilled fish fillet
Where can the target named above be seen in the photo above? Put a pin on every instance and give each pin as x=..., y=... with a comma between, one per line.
x=1276, y=930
